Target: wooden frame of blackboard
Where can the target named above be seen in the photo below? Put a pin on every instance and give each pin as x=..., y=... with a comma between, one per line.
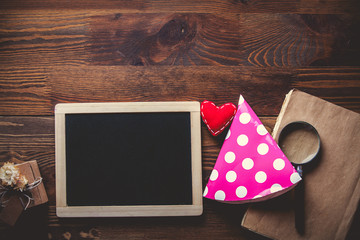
x=62, y=208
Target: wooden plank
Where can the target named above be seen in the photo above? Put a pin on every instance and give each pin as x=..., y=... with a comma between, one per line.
x=23, y=94
x=207, y=6
x=43, y=38
x=255, y=6
x=299, y=40
x=208, y=39
x=25, y=133
x=342, y=87
x=24, y=86
x=213, y=225
x=164, y=39
x=49, y=38
x=172, y=84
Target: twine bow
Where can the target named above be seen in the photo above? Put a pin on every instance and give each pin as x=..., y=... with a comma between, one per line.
x=22, y=194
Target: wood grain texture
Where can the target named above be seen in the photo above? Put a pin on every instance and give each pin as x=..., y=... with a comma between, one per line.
x=199, y=6
x=264, y=89
x=27, y=86
x=55, y=51
x=43, y=38
x=336, y=80
x=256, y=6
x=164, y=39
x=208, y=39
x=50, y=38
x=299, y=40
x=104, y=84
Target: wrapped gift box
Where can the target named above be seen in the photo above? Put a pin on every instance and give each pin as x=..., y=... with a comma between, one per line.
x=16, y=203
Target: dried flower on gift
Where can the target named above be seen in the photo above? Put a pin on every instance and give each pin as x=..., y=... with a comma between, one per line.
x=10, y=176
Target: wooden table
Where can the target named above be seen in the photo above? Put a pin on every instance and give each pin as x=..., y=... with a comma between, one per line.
x=54, y=51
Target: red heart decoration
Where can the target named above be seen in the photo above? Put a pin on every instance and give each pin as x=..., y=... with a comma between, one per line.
x=217, y=118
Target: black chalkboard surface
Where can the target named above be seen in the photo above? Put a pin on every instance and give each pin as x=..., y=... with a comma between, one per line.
x=128, y=159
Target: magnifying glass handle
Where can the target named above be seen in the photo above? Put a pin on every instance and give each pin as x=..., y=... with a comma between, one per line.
x=299, y=205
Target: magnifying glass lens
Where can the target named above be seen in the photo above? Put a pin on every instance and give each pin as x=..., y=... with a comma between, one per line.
x=300, y=143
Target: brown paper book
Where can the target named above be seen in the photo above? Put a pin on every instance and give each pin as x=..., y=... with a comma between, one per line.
x=332, y=186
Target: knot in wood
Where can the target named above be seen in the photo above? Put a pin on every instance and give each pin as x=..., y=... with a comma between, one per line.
x=173, y=32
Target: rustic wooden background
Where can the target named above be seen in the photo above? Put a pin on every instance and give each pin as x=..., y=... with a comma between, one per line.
x=54, y=51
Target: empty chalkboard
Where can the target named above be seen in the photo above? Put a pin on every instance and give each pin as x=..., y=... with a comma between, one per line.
x=128, y=159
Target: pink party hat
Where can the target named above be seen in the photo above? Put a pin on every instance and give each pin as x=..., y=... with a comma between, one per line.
x=250, y=166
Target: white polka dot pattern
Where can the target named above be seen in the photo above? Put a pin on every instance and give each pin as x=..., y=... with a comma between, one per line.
x=241, y=192
x=295, y=177
x=206, y=190
x=250, y=164
x=245, y=118
x=261, y=130
x=220, y=195
x=247, y=163
x=242, y=140
x=275, y=188
x=260, y=177
x=214, y=175
x=228, y=135
x=231, y=176
x=279, y=164
x=263, y=148
x=230, y=157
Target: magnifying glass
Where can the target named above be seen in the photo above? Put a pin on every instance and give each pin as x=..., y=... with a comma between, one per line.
x=300, y=143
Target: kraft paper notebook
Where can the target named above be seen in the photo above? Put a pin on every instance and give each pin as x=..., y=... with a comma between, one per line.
x=332, y=187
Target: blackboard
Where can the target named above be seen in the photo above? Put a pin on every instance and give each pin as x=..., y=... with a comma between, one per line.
x=128, y=159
